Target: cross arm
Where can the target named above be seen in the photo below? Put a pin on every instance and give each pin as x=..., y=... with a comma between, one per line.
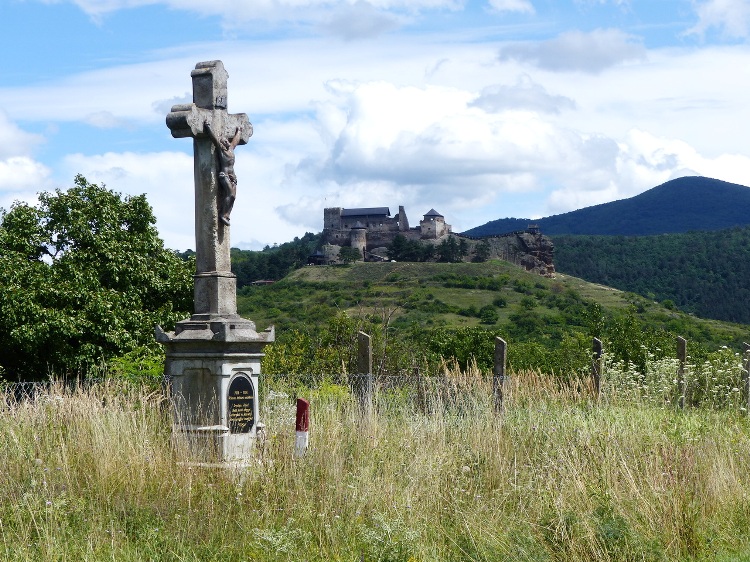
x=189, y=120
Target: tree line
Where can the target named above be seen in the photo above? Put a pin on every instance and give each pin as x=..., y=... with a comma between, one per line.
x=704, y=273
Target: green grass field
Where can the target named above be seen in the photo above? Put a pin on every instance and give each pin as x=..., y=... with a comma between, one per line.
x=93, y=475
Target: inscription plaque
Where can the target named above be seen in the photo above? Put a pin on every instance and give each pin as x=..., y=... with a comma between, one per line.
x=241, y=404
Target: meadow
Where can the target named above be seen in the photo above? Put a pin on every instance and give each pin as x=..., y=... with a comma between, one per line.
x=431, y=474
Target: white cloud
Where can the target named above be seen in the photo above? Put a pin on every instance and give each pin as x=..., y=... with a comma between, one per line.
x=238, y=12
x=21, y=177
x=525, y=94
x=14, y=141
x=358, y=21
x=643, y=161
x=731, y=17
x=524, y=6
x=590, y=52
x=430, y=146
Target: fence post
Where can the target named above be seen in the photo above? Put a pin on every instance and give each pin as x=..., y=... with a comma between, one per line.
x=364, y=371
x=498, y=373
x=302, y=427
x=682, y=358
x=596, y=367
x=746, y=375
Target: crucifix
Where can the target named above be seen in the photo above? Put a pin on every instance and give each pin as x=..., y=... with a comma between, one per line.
x=215, y=133
x=212, y=360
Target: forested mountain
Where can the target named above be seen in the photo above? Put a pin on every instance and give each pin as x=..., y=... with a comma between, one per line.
x=680, y=205
x=706, y=273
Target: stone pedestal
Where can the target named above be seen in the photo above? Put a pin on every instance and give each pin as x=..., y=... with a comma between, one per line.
x=213, y=369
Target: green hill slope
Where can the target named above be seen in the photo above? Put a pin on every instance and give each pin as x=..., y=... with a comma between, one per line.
x=679, y=205
x=454, y=310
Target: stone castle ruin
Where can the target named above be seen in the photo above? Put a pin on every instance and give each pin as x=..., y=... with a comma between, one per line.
x=371, y=230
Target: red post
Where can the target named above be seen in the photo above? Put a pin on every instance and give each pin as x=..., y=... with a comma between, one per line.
x=302, y=426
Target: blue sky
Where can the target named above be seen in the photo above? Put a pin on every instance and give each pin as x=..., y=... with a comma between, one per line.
x=479, y=109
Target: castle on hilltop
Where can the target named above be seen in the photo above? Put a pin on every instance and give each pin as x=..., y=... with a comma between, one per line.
x=371, y=230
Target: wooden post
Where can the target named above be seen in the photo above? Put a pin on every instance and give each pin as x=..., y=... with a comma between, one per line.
x=364, y=368
x=596, y=367
x=302, y=427
x=498, y=373
x=746, y=375
x=682, y=358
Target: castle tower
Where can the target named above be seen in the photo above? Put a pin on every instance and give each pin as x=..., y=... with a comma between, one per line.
x=332, y=218
x=358, y=238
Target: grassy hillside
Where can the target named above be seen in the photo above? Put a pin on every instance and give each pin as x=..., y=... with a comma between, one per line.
x=679, y=205
x=453, y=310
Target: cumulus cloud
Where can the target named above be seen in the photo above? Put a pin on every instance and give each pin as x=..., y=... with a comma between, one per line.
x=414, y=145
x=14, y=141
x=21, y=177
x=590, y=52
x=525, y=94
x=730, y=17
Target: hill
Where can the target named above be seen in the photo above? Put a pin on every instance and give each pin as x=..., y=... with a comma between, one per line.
x=679, y=205
x=454, y=310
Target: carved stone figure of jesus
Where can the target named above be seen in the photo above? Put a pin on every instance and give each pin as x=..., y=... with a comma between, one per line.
x=227, y=178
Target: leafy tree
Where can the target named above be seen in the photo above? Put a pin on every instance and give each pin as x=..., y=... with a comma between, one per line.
x=272, y=263
x=347, y=254
x=488, y=314
x=463, y=248
x=84, y=278
x=482, y=252
x=449, y=250
x=403, y=249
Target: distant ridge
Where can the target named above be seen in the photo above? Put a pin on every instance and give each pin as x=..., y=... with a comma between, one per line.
x=679, y=205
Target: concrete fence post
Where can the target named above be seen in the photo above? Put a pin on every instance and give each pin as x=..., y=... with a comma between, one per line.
x=498, y=372
x=746, y=375
x=596, y=367
x=364, y=371
x=682, y=358
x=302, y=427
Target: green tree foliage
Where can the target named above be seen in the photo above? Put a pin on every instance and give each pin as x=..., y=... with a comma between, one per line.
x=403, y=249
x=83, y=278
x=272, y=263
x=482, y=252
x=347, y=254
x=704, y=273
x=451, y=251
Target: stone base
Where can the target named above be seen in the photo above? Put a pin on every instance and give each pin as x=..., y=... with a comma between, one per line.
x=212, y=367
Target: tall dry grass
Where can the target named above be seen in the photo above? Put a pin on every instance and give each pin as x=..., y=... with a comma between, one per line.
x=432, y=474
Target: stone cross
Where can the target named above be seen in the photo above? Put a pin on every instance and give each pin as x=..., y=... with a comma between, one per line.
x=215, y=133
x=212, y=360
